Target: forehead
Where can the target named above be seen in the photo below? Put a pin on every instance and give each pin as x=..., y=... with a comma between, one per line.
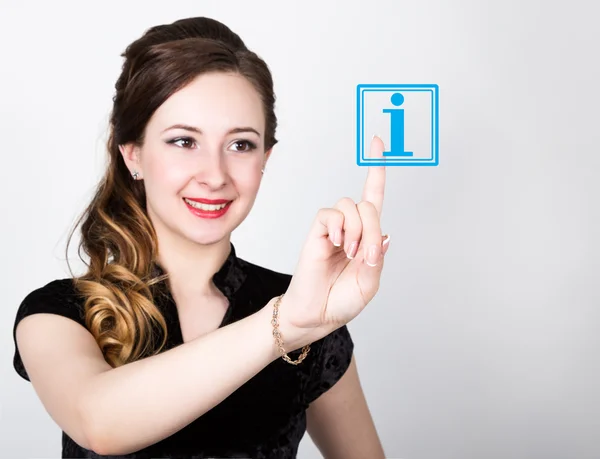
x=213, y=101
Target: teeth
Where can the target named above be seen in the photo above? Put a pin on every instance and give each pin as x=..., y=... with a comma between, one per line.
x=207, y=207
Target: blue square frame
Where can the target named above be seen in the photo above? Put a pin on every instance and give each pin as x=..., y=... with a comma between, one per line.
x=433, y=160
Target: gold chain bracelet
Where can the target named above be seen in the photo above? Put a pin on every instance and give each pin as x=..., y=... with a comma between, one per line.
x=279, y=341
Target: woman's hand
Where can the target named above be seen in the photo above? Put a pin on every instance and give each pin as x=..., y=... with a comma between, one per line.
x=328, y=289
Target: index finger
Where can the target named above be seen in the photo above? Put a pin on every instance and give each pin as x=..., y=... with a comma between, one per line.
x=375, y=185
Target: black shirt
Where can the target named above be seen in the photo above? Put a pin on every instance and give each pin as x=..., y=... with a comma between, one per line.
x=265, y=417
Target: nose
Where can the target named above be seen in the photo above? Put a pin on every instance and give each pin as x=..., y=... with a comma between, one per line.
x=211, y=170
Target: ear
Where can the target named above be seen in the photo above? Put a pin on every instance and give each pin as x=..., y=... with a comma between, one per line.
x=130, y=154
x=267, y=155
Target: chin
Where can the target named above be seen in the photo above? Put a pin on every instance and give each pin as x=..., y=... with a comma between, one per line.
x=204, y=237
x=211, y=230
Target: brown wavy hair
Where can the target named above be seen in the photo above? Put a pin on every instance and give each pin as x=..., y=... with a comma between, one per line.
x=120, y=285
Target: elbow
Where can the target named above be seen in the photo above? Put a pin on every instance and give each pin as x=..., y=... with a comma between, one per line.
x=99, y=446
x=90, y=430
x=87, y=438
x=99, y=434
x=93, y=442
x=104, y=443
x=96, y=441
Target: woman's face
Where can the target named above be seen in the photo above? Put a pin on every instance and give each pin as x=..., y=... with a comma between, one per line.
x=205, y=142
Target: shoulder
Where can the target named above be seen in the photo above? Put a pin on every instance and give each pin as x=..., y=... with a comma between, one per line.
x=56, y=297
x=332, y=359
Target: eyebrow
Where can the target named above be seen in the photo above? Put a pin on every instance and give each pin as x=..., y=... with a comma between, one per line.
x=235, y=130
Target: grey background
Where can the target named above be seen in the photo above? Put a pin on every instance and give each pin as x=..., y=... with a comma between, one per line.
x=483, y=339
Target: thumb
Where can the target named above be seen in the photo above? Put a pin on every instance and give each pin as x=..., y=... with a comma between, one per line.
x=385, y=244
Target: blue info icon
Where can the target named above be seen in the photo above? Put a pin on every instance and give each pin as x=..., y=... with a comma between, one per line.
x=405, y=116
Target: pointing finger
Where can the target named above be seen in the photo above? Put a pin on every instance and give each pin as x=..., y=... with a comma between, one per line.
x=375, y=184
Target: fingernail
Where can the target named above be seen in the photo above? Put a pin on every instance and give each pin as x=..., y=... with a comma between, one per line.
x=372, y=255
x=385, y=244
x=352, y=250
x=374, y=135
x=337, y=238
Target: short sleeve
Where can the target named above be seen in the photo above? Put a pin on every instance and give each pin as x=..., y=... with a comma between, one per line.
x=333, y=359
x=57, y=297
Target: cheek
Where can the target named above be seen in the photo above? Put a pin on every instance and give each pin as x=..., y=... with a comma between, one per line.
x=170, y=176
x=246, y=181
x=167, y=174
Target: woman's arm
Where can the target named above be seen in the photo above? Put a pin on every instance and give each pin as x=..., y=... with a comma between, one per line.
x=116, y=411
x=339, y=421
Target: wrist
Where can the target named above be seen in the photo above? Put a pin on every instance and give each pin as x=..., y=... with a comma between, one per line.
x=264, y=317
x=286, y=337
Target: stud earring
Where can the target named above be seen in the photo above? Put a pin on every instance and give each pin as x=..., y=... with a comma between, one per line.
x=135, y=175
x=262, y=170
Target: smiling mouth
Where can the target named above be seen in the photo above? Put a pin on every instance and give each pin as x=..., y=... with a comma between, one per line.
x=206, y=207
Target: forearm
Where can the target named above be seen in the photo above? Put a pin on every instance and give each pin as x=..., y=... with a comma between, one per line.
x=133, y=406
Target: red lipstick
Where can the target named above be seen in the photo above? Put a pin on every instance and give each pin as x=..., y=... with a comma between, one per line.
x=208, y=213
x=209, y=201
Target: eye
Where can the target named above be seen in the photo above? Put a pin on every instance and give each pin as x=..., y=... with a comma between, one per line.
x=250, y=145
x=186, y=142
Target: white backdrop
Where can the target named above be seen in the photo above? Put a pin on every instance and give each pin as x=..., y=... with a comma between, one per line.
x=482, y=341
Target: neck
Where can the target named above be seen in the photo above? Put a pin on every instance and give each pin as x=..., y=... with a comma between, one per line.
x=191, y=266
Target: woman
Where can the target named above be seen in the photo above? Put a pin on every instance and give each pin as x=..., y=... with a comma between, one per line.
x=171, y=345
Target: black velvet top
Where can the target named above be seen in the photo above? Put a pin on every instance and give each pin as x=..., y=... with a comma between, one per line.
x=265, y=417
